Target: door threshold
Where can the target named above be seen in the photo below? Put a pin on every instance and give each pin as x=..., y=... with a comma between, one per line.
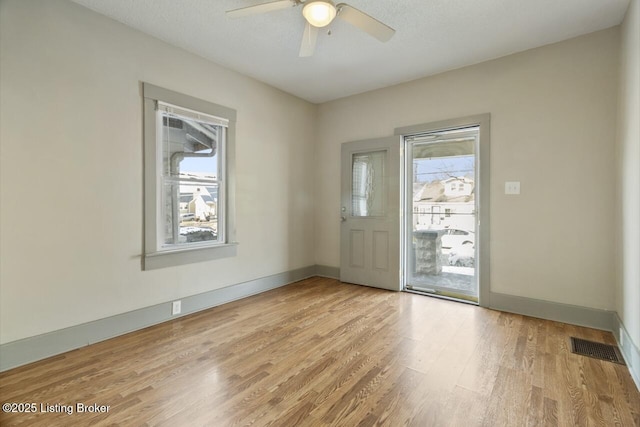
x=451, y=296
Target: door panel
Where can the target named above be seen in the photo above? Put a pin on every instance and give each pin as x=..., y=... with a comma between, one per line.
x=356, y=249
x=381, y=250
x=370, y=211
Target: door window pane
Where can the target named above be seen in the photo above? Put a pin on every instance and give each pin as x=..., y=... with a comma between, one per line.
x=367, y=184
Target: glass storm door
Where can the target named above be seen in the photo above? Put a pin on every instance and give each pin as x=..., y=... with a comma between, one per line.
x=370, y=214
x=441, y=206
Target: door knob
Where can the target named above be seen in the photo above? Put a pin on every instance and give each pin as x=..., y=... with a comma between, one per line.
x=343, y=218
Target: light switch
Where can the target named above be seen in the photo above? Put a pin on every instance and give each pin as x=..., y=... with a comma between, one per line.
x=512, y=187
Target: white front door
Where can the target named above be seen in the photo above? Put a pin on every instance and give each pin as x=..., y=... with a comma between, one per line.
x=370, y=213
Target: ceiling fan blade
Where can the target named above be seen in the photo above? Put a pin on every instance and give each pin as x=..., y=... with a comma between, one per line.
x=309, y=38
x=260, y=8
x=366, y=23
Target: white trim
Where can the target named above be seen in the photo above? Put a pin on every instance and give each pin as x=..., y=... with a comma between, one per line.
x=156, y=254
x=190, y=255
x=566, y=313
x=21, y=352
x=328, y=271
x=483, y=184
x=156, y=92
x=190, y=114
x=629, y=350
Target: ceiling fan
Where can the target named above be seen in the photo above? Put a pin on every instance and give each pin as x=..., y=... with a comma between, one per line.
x=320, y=13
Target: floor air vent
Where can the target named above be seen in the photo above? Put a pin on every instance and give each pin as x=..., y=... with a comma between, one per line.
x=596, y=350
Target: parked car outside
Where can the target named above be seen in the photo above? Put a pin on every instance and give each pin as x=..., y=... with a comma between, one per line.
x=454, y=238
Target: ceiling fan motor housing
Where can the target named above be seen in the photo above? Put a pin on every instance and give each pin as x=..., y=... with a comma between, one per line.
x=319, y=13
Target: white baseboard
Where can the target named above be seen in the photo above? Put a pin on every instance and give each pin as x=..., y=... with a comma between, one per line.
x=326, y=271
x=566, y=313
x=575, y=315
x=21, y=352
x=629, y=350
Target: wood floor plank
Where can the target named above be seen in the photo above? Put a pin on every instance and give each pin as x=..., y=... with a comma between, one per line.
x=464, y=408
x=320, y=352
x=510, y=399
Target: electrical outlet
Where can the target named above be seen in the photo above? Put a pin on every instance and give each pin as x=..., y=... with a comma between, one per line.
x=176, y=308
x=512, y=187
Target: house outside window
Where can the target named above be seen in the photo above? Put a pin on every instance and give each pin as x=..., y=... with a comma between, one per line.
x=189, y=183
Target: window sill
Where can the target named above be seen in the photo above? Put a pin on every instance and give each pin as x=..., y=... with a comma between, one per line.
x=156, y=260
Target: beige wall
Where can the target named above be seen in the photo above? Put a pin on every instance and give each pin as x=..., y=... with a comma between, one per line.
x=71, y=138
x=71, y=144
x=628, y=162
x=553, y=128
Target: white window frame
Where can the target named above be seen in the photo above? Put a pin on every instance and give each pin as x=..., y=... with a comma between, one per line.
x=156, y=254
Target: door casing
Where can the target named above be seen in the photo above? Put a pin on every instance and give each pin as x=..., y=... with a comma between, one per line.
x=482, y=189
x=394, y=279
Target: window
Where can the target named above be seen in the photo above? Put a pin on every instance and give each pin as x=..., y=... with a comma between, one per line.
x=189, y=191
x=366, y=184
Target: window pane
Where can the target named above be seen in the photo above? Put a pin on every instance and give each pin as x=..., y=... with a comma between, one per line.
x=190, y=212
x=367, y=184
x=190, y=148
x=191, y=168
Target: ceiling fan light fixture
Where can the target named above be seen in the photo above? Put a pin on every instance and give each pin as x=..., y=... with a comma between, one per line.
x=319, y=13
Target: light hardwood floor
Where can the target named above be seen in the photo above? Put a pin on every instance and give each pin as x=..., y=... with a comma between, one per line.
x=319, y=352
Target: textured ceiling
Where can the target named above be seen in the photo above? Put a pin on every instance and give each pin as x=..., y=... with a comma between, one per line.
x=431, y=36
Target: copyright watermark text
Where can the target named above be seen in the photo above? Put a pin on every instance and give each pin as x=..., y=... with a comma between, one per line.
x=74, y=408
